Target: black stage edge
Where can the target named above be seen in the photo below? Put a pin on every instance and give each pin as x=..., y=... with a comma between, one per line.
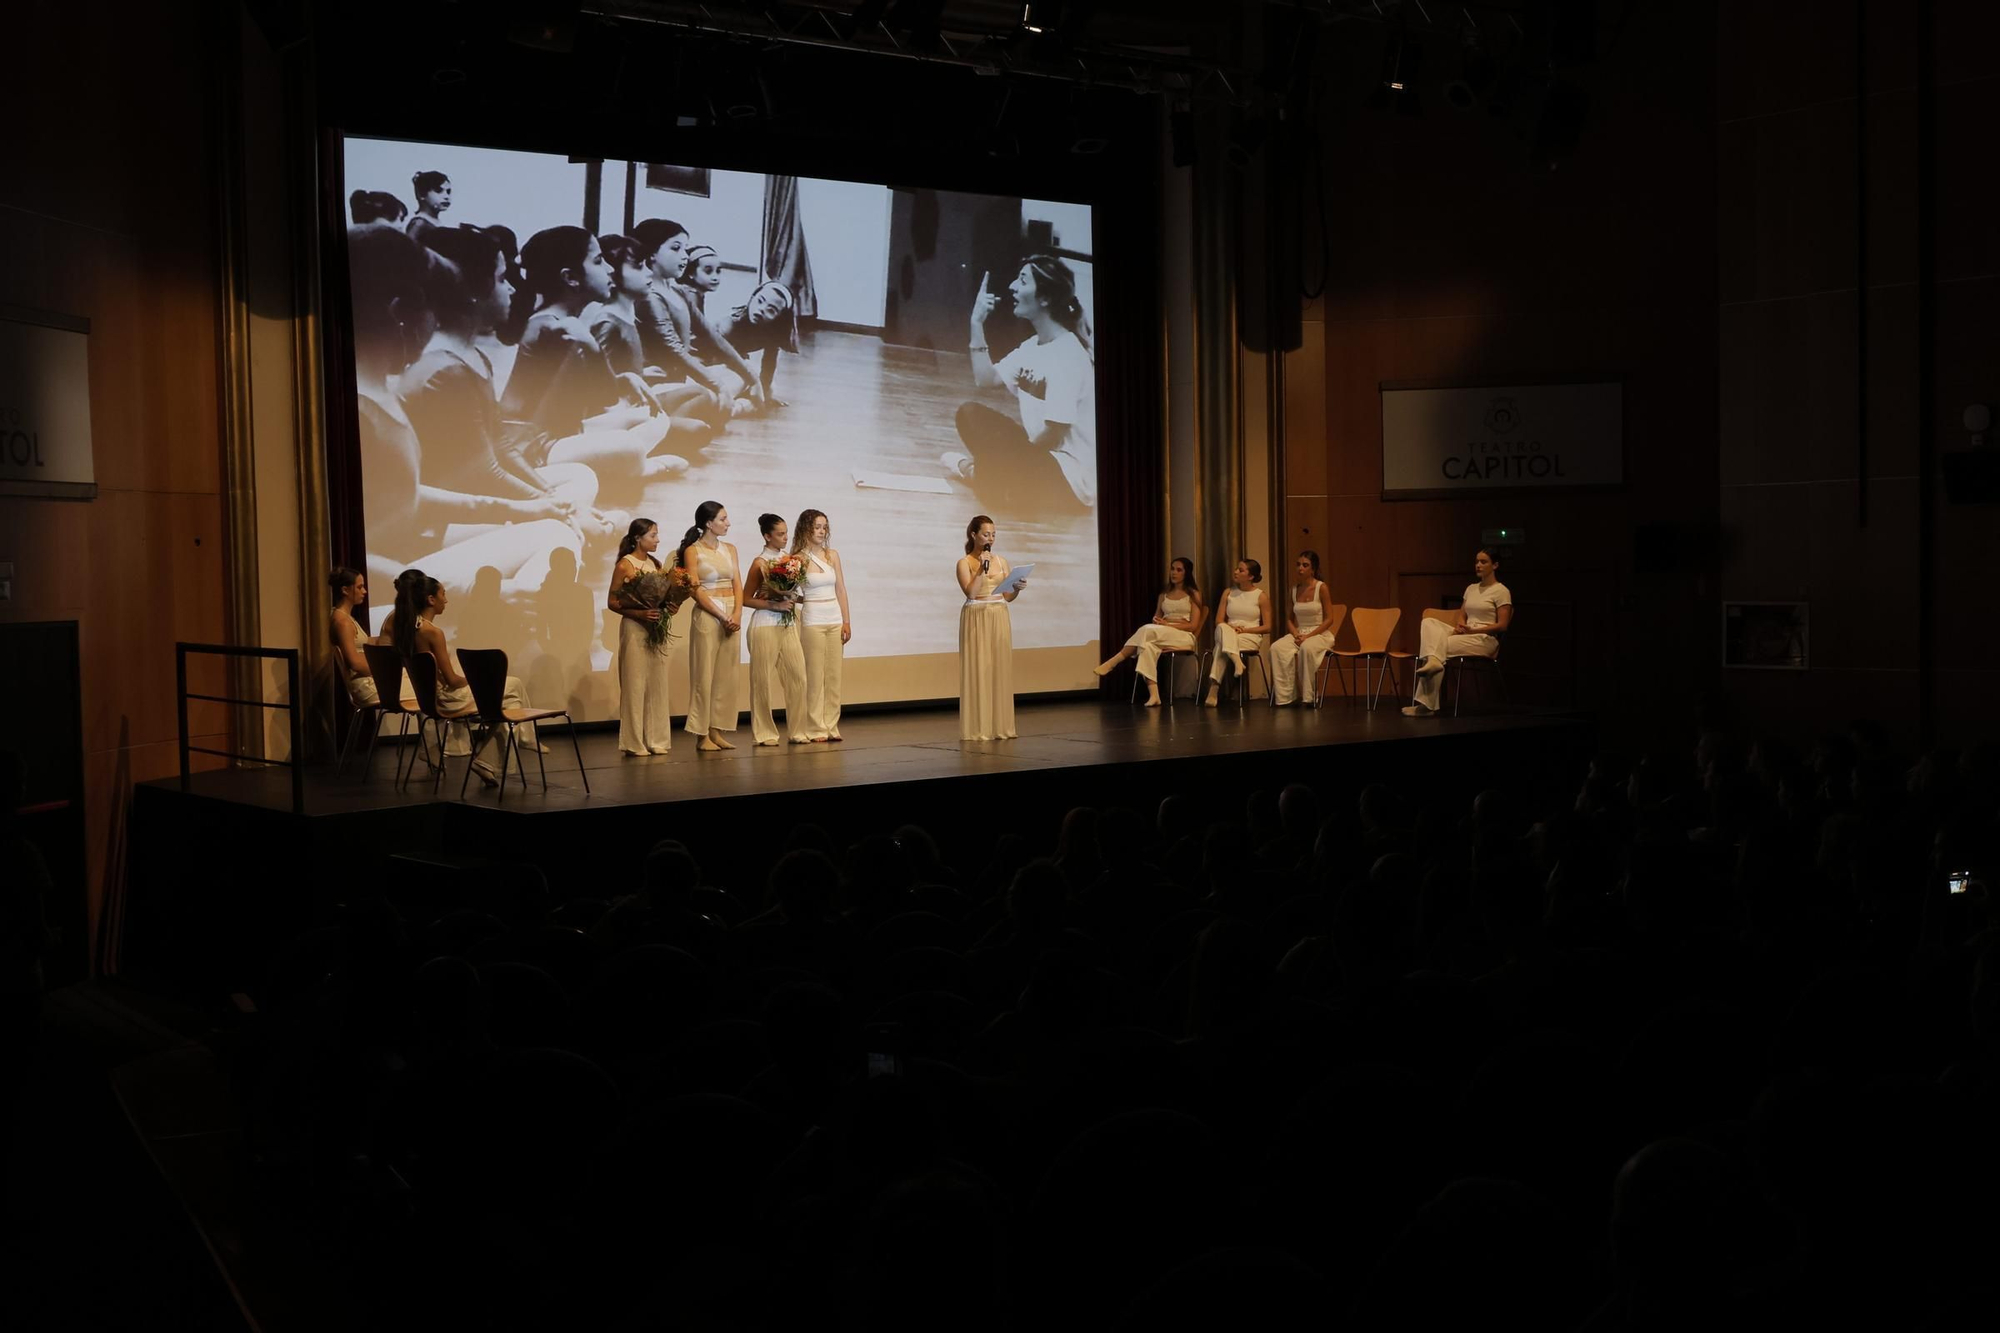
x=222, y=871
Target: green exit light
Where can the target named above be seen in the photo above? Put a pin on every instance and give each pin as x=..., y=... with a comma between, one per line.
x=1509, y=536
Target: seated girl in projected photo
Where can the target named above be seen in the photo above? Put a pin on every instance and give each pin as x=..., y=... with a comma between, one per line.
x=670, y=325
x=765, y=323
x=411, y=515
x=1047, y=461
x=564, y=403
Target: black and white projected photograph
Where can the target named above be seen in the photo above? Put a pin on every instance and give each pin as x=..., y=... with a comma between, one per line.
x=548, y=348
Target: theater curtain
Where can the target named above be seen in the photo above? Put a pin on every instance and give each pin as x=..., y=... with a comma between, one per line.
x=1131, y=452
x=785, y=258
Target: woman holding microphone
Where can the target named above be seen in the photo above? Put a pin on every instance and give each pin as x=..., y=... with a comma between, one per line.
x=985, y=639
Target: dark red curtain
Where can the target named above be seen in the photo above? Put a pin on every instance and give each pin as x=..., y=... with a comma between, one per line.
x=1131, y=427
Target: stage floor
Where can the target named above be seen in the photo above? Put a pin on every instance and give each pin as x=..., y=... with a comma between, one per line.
x=880, y=748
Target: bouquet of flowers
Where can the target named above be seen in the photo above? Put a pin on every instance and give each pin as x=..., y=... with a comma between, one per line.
x=661, y=590
x=783, y=577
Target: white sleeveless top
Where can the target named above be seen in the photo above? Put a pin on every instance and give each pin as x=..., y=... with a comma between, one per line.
x=760, y=616
x=821, y=606
x=1242, y=608
x=716, y=571
x=1177, y=608
x=1307, y=614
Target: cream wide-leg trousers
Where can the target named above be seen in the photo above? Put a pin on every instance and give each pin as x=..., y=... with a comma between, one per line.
x=711, y=673
x=1295, y=665
x=776, y=658
x=1435, y=639
x=821, y=647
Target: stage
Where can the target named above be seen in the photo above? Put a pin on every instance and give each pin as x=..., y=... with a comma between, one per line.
x=221, y=870
x=879, y=749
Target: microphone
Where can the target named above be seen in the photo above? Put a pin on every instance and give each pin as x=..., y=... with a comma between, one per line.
x=986, y=559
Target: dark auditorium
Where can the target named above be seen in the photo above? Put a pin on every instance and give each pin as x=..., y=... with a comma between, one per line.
x=853, y=665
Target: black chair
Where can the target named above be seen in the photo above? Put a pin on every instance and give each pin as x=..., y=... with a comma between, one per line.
x=385, y=668
x=1456, y=668
x=486, y=672
x=1173, y=672
x=423, y=669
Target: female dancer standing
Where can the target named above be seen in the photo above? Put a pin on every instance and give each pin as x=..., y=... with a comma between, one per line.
x=1177, y=617
x=1244, y=626
x=1310, y=627
x=711, y=563
x=645, y=717
x=985, y=640
x=774, y=645
x=824, y=630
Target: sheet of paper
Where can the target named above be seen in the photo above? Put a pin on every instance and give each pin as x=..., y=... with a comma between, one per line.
x=1015, y=578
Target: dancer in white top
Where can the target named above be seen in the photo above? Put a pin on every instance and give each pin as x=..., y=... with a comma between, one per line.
x=1310, y=627
x=1244, y=626
x=712, y=642
x=350, y=589
x=823, y=625
x=1483, y=617
x=1177, y=618
x=774, y=641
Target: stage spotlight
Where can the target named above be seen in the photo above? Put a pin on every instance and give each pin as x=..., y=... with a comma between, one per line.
x=1393, y=61
x=1038, y=16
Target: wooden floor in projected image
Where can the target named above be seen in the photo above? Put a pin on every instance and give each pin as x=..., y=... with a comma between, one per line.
x=858, y=404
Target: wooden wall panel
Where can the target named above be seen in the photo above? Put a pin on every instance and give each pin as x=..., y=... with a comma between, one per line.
x=105, y=212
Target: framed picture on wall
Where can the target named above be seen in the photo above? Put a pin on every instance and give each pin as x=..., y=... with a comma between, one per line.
x=678, y=180
x=1767, y=636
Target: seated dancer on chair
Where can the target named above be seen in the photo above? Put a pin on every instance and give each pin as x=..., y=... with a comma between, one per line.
x=1245, y=625
x=1177, y=618
x=1483, y=617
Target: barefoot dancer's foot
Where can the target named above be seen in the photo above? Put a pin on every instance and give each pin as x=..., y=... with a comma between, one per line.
x=707, y=746
x=716, y=738
x=1109, y=664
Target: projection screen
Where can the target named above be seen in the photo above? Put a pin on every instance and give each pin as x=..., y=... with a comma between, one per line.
x=824, y=363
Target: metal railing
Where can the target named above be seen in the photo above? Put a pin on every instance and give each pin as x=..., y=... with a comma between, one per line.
x=290, y=657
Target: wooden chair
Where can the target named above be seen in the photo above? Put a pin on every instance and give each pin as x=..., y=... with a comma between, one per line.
x=423, y=669
x=1372, y=627
x=385, y=668
x=1430, y=613
x=486, y=672
x=1173, y=671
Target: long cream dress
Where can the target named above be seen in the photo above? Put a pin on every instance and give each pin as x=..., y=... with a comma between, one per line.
x=645, y=716
x=986, y=662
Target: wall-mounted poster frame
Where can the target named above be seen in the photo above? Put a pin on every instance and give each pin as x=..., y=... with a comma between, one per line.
x=1455, y=440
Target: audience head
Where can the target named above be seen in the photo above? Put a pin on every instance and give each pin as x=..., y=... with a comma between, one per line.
x=672, y=876
x=634, y=534
x=664, y=244
x=368, y=206
x=388, y=276
x=433, y=191
x=812, y=529
x=978, y=534
x=566, y=265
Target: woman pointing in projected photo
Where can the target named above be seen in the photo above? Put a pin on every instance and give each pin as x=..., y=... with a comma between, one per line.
x=1047, y=460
